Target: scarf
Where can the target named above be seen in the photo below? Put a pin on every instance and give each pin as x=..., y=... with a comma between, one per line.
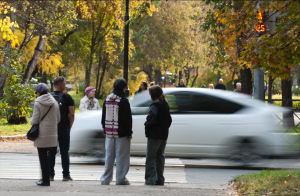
x=90, y=103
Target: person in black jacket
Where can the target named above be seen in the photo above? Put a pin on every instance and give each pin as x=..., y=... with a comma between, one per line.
x=220, y=85
x=142, y=88
x=117, y=126
x=157, y=130
x=181, y=84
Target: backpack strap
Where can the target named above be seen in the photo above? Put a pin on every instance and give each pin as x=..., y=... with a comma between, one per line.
x=46, y=113
x=61, y=94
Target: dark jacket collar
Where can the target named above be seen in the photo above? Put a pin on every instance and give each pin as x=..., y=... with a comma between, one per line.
x=119, y=93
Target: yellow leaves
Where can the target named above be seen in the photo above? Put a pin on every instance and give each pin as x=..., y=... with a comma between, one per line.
x=7, y=33
x=217, y=13
x=50, y=63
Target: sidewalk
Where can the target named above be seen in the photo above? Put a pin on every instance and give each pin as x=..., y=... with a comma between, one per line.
x=93, y=188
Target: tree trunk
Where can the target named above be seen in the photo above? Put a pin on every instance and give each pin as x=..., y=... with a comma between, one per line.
x=232, y=78
x=52, y=86
x=246, y=74
x=88, y=69
x=102, y=75
x=33, y=61
x=6, y=52
x=270, y=92
x=157, y=76
x=97, y=80
x=286, y=87
x=180, y=75
x=43, y=77
x=196, y=76
x=246, y=80
x=218, y=76
x=188, y=77
x=35, y=71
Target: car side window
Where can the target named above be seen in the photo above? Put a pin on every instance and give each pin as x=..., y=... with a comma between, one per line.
x=214, y=105
x=196, y=103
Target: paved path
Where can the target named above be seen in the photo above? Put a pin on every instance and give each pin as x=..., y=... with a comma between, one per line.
x=26, y=166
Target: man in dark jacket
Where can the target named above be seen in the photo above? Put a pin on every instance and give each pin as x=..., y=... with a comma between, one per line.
x=220, y=85
x=117, y=126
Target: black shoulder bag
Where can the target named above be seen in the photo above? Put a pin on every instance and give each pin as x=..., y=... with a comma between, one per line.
x=33, y=133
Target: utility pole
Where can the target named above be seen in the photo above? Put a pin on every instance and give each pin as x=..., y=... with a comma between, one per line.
x=258, y=73
x=126, y=43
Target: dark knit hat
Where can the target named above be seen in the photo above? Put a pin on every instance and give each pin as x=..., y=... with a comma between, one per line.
x=41, y=88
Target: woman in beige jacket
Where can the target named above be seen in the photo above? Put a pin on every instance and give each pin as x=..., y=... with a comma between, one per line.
x=47, y=127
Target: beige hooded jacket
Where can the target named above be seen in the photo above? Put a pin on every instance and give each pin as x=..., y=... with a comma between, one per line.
x=48, y=127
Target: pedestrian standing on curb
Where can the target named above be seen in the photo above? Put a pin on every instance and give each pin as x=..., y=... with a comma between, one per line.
x=117, y=126
x=67, y=114
x=238, y=88
x=143, y=87
x=89, y=102
x=46, y=114
x=181, y=84
x=157, y=130
x=220, y=85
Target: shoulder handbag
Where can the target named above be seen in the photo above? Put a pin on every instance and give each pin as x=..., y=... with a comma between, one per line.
x=33, y=133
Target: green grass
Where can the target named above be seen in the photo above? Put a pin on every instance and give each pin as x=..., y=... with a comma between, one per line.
x=269, y=182
x=8, y=130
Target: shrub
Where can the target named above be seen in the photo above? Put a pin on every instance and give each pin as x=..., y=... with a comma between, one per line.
x=15, y=104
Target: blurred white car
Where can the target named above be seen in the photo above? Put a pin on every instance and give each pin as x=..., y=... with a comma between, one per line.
x=206, y=123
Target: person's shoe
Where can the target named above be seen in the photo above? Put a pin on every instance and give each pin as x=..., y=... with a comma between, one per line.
x=51, y=178
x=123, y=183
x=104, y=183
x=67, y=178
x=42, y=183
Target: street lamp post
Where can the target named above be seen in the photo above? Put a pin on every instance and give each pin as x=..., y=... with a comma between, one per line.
x=126, y=42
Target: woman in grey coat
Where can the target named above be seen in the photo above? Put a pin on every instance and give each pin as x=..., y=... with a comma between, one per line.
x=47, y=127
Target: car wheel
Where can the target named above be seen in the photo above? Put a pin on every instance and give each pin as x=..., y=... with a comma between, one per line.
x=245, y=152
x=97, y=148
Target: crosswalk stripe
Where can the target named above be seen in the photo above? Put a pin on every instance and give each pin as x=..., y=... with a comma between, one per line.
x=31, y=170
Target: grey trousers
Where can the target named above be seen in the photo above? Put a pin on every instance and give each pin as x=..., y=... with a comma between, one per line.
x=116, y=149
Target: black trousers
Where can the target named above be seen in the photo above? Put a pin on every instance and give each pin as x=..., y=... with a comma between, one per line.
x=44, y=163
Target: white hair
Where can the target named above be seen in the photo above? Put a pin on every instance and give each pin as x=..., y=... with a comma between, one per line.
x=221, y=79
x=238, y=83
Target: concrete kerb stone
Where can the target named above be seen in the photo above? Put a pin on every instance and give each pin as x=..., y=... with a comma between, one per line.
x=13, y=137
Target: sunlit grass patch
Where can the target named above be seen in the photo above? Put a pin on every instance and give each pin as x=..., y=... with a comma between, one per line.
x=269, y=182
x=8, y=130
